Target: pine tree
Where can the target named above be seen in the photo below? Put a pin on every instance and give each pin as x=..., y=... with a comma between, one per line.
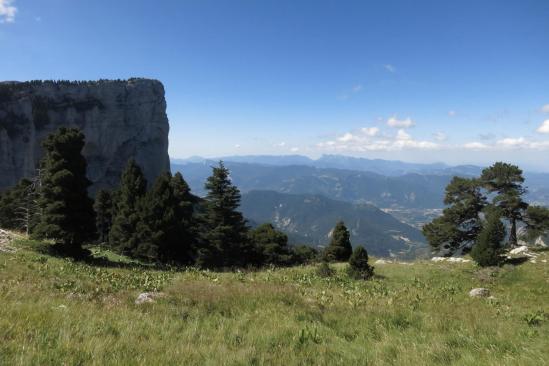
x=271, y=244
x=123, y=235
x=506, y=181
x=103, y=214
x=67, y=213
x=358, y=264
x=340, y=248
x=10, y=202
x=488, y=246
x=460, y=222
x=537, y=222
x=183, y=251
x=161, y=227
x=225, y=230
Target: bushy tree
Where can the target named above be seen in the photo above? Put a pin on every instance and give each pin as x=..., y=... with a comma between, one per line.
x=460, y=222
x=488, y=246
x=165, y=229
x=124, y=235
x=271, y=245
x=225, y=230
x=185, y=213
x=10, y=203
x=505, y=181
x=103, y=214
x=303, y=254
x=340, y=248
x=537, y=222
x=358, y=264
x=66, y=209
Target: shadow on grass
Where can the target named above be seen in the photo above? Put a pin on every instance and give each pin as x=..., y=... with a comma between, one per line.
x=84, y=255
x=515, y=261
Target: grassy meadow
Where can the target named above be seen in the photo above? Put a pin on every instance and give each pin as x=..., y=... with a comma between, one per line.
x=54, y=311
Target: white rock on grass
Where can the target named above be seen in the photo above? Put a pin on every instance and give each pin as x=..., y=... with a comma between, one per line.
x=438, y=259
x=479, y=292
x=148, y=297
x=382, y=261
x=519, y=250
x=450, y=259
x=458, y=260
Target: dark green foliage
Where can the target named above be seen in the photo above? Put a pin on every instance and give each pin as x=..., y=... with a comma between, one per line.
x=103, y=207
x=358, y=265
x=271, y=245
x=340, y=248
x=460, y=222
x=324, y=270
x=164, y=230
x=537, y=222
x=304, y=254
x=488, y=246
x=15, y=205
x=505, y=180
x=66, y=209
x=225, y=230
x=123, y=235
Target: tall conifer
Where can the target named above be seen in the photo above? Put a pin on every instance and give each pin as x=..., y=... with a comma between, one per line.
x=66, y=209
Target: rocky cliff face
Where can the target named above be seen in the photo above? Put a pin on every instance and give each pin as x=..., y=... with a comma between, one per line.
x=120, y=119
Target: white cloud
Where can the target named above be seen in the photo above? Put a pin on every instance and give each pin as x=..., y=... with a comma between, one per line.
x=440, y=136
x=452, y=113
x=475, y=146
x=545, y=108
x=7, y=11
x=400, y=123
x=402, y=135
x=544, y=127
x=370, y=131
x=513, y=142
x=237, y=146
x=346, y=137
x=357, y=88
x=369, y=139
x=389, y=68
x=294, y=149
x=280, y=144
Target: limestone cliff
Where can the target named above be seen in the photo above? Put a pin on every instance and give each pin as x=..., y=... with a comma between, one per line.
x=120, y=119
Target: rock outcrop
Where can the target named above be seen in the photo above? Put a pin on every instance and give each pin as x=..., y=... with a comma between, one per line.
x=120, y=119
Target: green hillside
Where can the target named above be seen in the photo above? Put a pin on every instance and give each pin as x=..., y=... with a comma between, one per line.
x=56, y=311
x=308, y=219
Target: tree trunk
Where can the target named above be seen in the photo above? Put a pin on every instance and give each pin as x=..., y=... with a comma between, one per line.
x=513, y=233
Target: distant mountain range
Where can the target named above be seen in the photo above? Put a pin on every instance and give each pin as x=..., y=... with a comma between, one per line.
x=379, y=166
x=309, y=219
x=383, y=183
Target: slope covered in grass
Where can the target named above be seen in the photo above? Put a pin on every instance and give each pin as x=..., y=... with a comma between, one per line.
x=56, y=311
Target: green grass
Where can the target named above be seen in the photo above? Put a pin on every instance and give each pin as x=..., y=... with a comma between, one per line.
x=56, y=311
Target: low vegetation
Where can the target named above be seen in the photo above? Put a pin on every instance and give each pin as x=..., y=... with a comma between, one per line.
x=57, y=310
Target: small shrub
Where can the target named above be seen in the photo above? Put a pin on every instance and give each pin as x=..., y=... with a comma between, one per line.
x=324, y=270
x=358, y=265
x=488, y=246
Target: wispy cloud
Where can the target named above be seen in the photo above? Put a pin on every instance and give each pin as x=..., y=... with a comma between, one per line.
x=7, y=11
x=294, y=149
x=348, y=94
x=400, y=123
x=440, y=136
x=389, y=68
x=545, y=108
x=452, y=113
x=544, y=127
x=370, y=139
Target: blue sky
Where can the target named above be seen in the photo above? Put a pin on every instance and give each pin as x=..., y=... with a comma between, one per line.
x=452, y=81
